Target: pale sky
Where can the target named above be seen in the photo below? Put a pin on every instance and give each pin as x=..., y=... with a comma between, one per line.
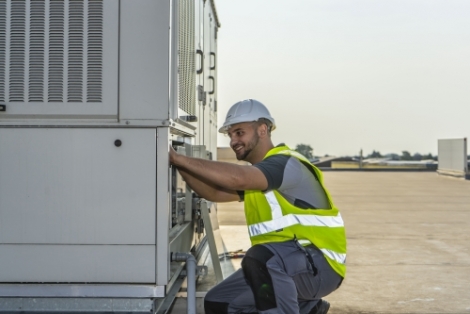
x=341, y=75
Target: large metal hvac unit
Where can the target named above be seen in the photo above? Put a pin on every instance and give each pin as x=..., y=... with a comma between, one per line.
x=92, y=93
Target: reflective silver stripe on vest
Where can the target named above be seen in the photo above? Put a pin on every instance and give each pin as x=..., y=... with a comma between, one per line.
x=276, y=211
x=279, y=221
x=304, y=242
x=338, y=257
x=291, y=219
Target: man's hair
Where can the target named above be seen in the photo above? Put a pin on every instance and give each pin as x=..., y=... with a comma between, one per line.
x=264, y=121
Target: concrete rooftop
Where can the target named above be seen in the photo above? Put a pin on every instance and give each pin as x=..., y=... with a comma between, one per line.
x=408, y=243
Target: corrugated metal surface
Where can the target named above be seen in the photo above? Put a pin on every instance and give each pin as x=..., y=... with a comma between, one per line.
x=186, y=58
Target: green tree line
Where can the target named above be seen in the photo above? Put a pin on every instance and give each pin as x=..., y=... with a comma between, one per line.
x=307, y=151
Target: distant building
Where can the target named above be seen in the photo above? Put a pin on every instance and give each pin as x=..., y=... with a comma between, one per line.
x=386, y=163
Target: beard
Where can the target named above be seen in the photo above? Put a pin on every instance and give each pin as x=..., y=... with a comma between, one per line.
x=248, y=148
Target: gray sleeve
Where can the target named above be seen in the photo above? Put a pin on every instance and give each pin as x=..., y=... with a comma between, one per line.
x=294, y=181
x=301, y=187
x=273, y=169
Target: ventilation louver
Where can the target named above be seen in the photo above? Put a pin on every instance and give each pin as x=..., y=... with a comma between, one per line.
x=51, y=51
x=186, y=58
x=3, y=32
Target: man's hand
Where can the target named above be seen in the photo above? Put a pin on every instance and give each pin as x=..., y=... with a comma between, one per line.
x=201, y=186
x=173, y=155
x=224, y=175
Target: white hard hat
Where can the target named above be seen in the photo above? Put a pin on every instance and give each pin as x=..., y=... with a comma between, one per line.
x=246, y=111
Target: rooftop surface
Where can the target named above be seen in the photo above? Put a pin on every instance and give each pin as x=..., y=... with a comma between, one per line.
x=408, y=242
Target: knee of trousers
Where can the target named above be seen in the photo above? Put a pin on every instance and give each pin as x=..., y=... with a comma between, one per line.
x=258, y=278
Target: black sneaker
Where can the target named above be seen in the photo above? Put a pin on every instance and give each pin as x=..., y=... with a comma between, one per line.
x=321, y=307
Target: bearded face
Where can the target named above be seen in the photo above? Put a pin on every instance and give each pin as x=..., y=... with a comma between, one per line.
x=243, y=139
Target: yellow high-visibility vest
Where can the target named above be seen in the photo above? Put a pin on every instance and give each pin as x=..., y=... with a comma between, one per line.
x=271, y=218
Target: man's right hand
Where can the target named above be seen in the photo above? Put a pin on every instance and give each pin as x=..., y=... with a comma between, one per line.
x=173, y=155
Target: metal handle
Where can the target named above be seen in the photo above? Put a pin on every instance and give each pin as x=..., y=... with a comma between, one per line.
x=199, y=52
x=213, y=54
x=3, y=107
x=175, y=143
x=213, y=85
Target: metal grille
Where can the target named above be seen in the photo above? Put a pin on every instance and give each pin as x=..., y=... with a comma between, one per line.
x=17, y=50
x=51, y=51
x=56, y=51
x=186, y=58
x=95, y=51
x=3, y=30
x=36, y=50
x=75, y=47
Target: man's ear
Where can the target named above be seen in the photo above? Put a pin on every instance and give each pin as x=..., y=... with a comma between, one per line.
x=263, y=129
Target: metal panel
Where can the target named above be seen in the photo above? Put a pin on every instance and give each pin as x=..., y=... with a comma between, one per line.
x=83, y=290
x=77, y=305
x=144, y=59
x=76, y=186
x=163, y=207
x=452, y=156
x=77, y=263
x=53, y=62
x=199, y=62
x=210, y=79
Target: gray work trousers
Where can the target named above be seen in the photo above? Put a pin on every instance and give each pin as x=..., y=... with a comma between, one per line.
x=274, y=278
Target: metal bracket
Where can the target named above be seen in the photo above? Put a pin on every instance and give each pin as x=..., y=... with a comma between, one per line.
x=214, y=238
x=200, y=92
x=200, y=271
x=199, y=226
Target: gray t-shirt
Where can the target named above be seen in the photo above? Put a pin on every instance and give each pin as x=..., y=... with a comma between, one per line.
x=293, y=180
